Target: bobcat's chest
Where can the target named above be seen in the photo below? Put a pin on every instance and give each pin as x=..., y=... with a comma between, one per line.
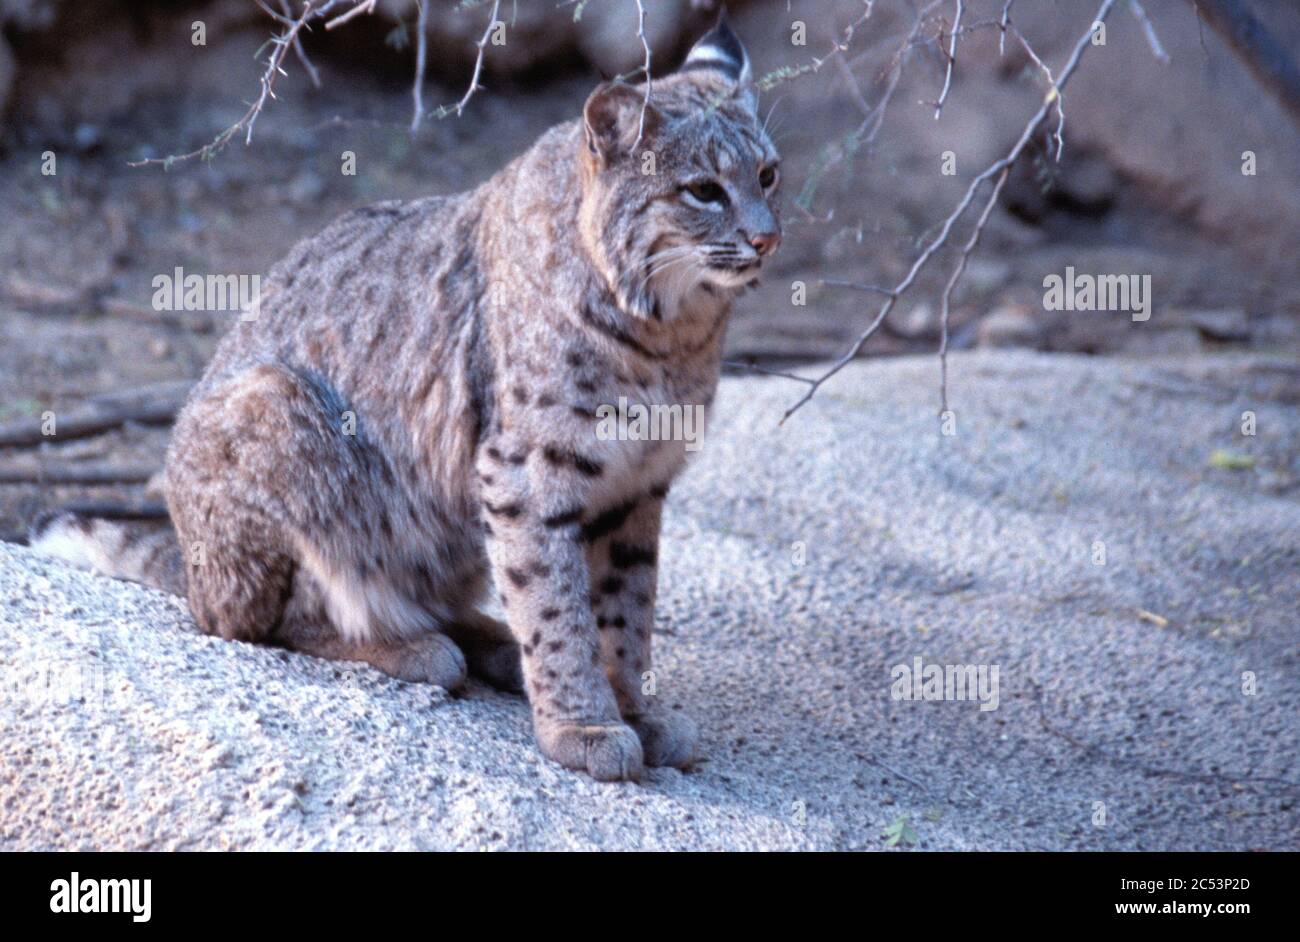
x=646, y=433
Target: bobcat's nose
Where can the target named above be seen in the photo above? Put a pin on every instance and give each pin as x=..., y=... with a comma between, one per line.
x=765, y=243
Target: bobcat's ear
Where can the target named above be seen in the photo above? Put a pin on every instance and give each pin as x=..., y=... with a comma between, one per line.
x=612, y=116
x=721, y=52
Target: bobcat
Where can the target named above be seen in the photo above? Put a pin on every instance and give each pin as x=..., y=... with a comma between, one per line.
x=415, y=408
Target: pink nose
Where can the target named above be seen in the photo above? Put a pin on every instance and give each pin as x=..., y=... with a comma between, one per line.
x=765, y=243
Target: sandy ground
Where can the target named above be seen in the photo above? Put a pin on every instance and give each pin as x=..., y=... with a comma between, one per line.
x=1120, y=683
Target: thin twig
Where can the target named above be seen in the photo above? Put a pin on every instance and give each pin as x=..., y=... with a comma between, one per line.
x=933, y=246
x=851, y=84
x=367, y=7
x=871, y=127
x=645, y=45
x=952, y=60
x=856, y=286
x=1054, y=91
x=1140, y=14
x=875, y=118
x=298, y=50
x=958, y=270
x=1285, y=786
x=474, y=86
x=838, y=48
x=737, y=364
x=421, y=57
x=280, y=46
x=899, y=775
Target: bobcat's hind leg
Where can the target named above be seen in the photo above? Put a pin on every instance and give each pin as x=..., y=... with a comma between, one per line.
x=255, y=472
x=490, y=650
x=236, y=499
x=429, y=658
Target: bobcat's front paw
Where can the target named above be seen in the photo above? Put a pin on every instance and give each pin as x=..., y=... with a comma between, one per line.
x=609, y=752
x=666, y=738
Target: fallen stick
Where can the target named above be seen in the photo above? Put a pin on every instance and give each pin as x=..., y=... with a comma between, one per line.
x=44, y=297
x=172, y=391
x=200, y=322
x=117, y=510
x=84, y=422
x=47, y=299
x=74, y=473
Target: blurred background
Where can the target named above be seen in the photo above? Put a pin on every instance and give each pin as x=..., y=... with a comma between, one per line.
x=1150, y=181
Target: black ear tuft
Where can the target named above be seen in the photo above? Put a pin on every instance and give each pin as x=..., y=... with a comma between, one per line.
x=720, y=49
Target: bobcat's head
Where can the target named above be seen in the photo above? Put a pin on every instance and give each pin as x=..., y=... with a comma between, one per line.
x=679, y=194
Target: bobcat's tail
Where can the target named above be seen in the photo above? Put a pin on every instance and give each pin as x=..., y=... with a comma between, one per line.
x=140, y=551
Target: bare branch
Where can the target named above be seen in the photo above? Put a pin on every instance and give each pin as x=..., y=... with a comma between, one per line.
x=941, y=239
x=736, y=364
x=952, y=60
x=1140, y=14
x=421, y=57
x=367, y=7
x=280, y=46
x=474, y=86
x=946, y=303
x=856, y=286
x=875, y=117
x=838, y=48
x=298, y=50
x=851, y=84
x=1214, y=777
x=645, y=45
x=1054, y=91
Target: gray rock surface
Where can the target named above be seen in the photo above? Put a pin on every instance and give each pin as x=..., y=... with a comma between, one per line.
x=1120, y=683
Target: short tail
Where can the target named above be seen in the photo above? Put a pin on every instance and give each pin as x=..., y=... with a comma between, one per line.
x=138, y=551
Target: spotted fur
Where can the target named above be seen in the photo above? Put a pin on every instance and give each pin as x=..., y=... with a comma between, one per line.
x=413, y=415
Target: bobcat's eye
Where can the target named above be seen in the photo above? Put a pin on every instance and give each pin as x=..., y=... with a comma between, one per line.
x=767, y=177
x=707, y=191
